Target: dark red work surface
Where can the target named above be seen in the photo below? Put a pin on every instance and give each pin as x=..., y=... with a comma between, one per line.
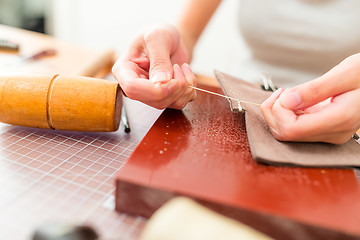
x=203, y=152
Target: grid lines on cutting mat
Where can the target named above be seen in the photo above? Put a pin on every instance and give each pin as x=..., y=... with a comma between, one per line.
x=52, y=176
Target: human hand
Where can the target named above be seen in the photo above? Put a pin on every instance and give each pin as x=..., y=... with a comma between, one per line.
x=326, y=109
x=154, y=69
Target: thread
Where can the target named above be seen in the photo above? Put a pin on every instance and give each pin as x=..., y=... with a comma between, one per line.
x=220, y=95
x=297, y=112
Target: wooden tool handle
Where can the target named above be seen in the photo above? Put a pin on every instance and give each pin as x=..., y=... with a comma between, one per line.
x=61, y=103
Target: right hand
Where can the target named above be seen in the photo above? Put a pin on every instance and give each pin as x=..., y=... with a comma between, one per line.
x=330, y=107
x=154, y=69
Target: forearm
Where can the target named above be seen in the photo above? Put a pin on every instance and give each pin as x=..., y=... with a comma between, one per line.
x=194, y=19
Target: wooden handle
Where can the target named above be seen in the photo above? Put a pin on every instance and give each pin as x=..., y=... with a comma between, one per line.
x=61, y=103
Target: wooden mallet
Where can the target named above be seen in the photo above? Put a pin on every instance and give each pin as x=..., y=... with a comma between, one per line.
x=60, y=102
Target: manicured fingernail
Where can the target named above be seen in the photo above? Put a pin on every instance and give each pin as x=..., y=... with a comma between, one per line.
x=160, y=77
x=290, y=99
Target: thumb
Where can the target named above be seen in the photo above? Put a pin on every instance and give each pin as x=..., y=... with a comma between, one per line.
x=159, y=47
x=337, y=81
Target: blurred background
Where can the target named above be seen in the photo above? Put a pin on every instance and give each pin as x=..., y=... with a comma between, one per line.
x=113, y=24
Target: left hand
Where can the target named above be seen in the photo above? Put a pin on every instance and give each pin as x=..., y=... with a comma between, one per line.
x=326, y=109
x=154, y=69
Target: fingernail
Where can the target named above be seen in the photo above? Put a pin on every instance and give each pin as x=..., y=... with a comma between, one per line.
x=290, y=99
x=273, y=97
x=277, y=93
x=172, y=85
x=187, y=67
x=273, y=131
x=176, y=67
x=178, y=73
x=160, y=77
x=190, y=77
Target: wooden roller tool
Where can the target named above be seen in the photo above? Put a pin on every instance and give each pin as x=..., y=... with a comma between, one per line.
x=60, y=102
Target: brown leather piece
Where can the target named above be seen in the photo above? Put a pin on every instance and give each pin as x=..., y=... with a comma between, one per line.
x=266, y=149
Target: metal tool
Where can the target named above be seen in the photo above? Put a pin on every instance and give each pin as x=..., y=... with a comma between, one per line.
x=8, y=45
x=268, y=85
x=19, y=61
x=124, y=118
x=356, y=136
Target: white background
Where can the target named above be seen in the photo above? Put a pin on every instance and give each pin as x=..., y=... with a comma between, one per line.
x=113, y=24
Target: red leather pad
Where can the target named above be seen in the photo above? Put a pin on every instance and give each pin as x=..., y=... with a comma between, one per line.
x=203, y=152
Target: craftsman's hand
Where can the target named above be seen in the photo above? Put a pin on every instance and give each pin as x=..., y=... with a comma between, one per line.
x=154, y=69
x=326, y=109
